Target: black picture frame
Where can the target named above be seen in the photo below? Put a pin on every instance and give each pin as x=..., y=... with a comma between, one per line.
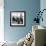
x=17, y=18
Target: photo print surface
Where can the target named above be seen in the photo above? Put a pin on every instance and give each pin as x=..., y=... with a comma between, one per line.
x=17, y=18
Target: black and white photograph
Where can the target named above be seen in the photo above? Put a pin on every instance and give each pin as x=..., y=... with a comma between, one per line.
x=17, y=18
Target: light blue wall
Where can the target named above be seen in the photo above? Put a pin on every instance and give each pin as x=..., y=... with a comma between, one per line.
x=43, y=6
x=30, y=6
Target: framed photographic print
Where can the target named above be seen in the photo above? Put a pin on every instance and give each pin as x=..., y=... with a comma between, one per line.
x=17, y=18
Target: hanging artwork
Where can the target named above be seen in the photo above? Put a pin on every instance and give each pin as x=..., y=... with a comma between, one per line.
x=17, y=18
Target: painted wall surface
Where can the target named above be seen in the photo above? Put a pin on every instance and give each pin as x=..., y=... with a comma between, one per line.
x=43, y=6
x=30, y=6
